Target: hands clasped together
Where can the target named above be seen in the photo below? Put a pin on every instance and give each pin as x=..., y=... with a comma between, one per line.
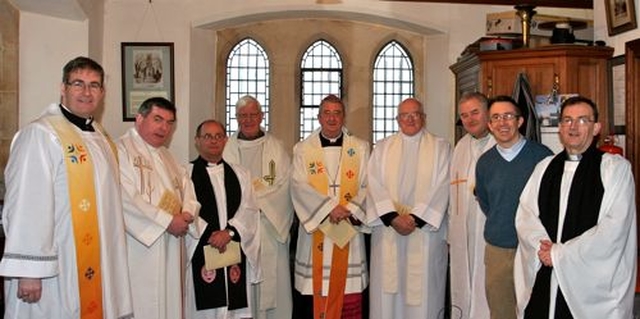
x=179, y=225
x=219, y=240
x=404, y=224
x=338, y=214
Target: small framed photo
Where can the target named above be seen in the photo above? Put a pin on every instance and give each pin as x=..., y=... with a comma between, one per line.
x=147, y=71
x=617, y=104
x=548, y=108
x=621, y=16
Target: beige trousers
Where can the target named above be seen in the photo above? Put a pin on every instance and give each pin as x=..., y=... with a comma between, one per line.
x=499, y=286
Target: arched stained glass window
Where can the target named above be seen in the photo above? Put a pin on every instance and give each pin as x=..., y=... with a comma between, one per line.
x=393, y=81
x=321, y=75
x=247, y=73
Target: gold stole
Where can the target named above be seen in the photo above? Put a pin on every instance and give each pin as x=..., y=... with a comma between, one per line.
x=330, y=307
x=415, y=247
x=83, y=205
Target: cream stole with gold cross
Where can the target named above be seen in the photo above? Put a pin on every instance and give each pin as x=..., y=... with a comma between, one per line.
x=415, y=249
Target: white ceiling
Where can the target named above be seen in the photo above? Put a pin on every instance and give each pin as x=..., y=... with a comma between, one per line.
x=65, y=9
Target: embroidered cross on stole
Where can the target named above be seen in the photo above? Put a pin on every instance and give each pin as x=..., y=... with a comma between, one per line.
x=84, y=216
x=330, y=307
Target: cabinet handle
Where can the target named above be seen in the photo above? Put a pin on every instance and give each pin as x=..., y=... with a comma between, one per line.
x=489, y=87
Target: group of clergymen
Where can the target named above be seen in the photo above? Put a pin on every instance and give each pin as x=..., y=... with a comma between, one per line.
x=97, y=228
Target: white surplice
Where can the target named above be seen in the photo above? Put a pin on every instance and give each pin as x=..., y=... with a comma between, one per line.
x=596, y=271
x=408, y=273
x=155, y=262
x=465, y=235
x=246, y=222
x=313, y=207
x=273, y=199
x=38, y=225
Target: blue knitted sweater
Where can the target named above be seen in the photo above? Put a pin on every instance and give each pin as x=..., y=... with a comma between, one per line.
x=498, y=187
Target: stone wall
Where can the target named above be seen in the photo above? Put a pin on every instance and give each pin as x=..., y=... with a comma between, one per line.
x=286, y=40
x=9, y=27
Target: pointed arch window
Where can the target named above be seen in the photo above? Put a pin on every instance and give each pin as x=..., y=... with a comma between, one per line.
x=247, y=73
x=321, y=74
x=393, y=81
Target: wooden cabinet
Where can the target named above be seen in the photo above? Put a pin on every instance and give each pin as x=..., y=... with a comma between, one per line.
x=572, y=68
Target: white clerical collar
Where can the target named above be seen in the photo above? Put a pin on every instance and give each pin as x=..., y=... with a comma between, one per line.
x=574, y=157
x=251, y=143
x=82, y=123
x=214, y=164
x=510, y=153
x=152, y=149
x=411, y=138
x=242, y=137
x=481, y=142
x=332, y=140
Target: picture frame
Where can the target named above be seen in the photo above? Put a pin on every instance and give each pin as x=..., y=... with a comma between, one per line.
x=617, y=82
x=621, y=16
x=547, y=108
x=147, y=71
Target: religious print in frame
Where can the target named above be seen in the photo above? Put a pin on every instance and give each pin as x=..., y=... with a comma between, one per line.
x=621, y=16
x=147, y=71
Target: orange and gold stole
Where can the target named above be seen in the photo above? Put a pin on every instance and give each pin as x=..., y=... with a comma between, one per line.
x=83, y=204
x=330, y=307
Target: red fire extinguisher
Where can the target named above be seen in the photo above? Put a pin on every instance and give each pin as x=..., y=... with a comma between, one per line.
x=610, y=146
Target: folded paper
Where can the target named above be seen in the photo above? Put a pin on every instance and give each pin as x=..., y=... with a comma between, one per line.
x=214, y=259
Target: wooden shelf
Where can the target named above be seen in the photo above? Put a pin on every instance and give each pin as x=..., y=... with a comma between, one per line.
x=573, y=68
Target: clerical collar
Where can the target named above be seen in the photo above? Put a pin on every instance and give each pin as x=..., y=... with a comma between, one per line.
x=414, y=138
x=485, y=136
x=80, y=122
x=574, y=157
x=481, y=142
x=245, y=138
x=510, y=153
x=326, y=142
x=214, y=164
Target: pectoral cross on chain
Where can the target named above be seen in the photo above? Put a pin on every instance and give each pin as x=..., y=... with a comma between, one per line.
x=271, y=178
x=457, y=183
x=334, y=187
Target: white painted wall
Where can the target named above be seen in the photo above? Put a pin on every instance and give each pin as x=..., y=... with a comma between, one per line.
x=172, y=21
x=601, y=32
x=46, y=45
x=140, y=21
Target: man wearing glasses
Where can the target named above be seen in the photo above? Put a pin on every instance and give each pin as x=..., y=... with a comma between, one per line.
x=228, y=207
x=65, y=253
x=576, y=225
x=270, y=166
x=501, y=174
x=407, y=202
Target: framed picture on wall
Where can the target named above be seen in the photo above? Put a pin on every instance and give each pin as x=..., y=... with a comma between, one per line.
x=621, y=16
x=617, y=81
x=548, y=108
x=147, y=71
